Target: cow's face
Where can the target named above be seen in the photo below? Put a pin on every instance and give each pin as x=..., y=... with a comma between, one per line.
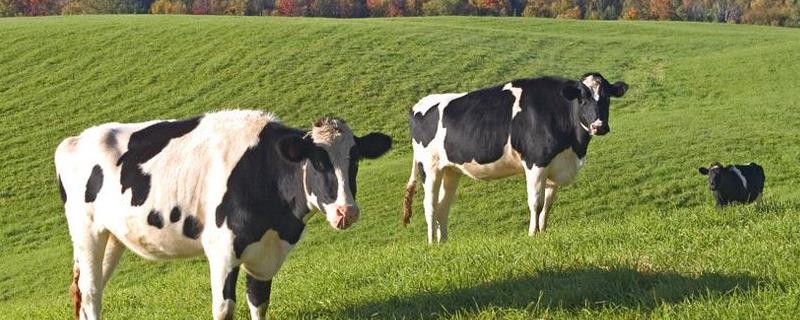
x=719, y=176
x=330, y=154
x=593, y=95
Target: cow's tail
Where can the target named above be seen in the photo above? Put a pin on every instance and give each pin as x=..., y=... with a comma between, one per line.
x=411, y=188
x=75, y=292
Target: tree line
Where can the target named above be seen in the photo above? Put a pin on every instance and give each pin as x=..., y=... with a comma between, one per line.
x=763, y=12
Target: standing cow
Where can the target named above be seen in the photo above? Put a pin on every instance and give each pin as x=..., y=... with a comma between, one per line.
x=739, y=183
x=540, y=126
x=237, y=186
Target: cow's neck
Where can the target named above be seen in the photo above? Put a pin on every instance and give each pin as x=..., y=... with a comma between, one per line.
x=581, y=137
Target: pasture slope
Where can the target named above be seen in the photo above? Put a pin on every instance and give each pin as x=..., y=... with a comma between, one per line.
x=635, y=237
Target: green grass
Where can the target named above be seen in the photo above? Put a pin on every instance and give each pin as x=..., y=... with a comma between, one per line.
x=636, y=236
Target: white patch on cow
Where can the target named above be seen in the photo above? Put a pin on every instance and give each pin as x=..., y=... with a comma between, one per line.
x=517, y=92
x=509, y=164
x=262, y=259
x=741, y=176
x=535, y=186
x=563, y=169
x=257, y=312
x=327, y=131
x=593, y=83
x=311, y=198
x=427, y=102
x=218, y=245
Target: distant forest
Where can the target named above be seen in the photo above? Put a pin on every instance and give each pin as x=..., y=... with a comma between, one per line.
x=763, y=12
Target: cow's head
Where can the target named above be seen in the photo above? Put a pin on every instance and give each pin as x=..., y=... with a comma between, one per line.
x=719, y=176
x=593, y=93
x=330, y=154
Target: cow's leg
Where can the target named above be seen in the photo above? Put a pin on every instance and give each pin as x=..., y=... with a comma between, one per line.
x=535, y=179
x=447, y=194
x=258, y=297
x=87, y=287
x=224, y=273
x=114, y=251
x=433, y=180
x=549, y=198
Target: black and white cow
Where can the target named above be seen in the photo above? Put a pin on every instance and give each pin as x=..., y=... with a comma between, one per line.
x=734, y=183
x=540, y=126
x=237, y=186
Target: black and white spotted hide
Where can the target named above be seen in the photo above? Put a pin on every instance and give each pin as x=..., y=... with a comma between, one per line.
x=540, y=127
x=235, y=186
x=734, y=183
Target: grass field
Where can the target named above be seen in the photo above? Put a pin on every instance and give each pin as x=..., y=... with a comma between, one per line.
x=636, y=236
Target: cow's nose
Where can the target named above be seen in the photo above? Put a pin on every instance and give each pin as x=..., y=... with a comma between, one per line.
x=599, y=128
x=349, y=213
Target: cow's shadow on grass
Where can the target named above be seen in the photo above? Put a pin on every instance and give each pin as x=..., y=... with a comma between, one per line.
x=566, y=290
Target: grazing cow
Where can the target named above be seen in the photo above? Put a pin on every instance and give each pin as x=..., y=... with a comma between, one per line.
x=237, y=186
x=734, y=183
x=540, y=126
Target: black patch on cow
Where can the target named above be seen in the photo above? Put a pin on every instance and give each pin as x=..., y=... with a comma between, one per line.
x=61, y=190
x=154, y=219
x=143, y=146
x=175, y=215
x=264, y=192
x=421, y=170
x=423, y=126
x=192, y=227
x=94, y=184
x=258, y=291
x=229, y=290
x=548, y=123
x=478, y=125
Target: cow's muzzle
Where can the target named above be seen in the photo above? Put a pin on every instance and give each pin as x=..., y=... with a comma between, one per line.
x=598, y=128
x=345, y=217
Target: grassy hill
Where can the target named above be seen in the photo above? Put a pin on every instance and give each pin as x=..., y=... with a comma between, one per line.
x=636, y=235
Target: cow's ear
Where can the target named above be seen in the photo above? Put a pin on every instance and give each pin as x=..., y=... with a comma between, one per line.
x=619, y=89
x=373, y=145
x=703, y=171
x=295, y=148
x=570, y=90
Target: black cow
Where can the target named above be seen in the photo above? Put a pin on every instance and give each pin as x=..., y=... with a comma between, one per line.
x=540, y=126
x=734, y=183
x=236, y=186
